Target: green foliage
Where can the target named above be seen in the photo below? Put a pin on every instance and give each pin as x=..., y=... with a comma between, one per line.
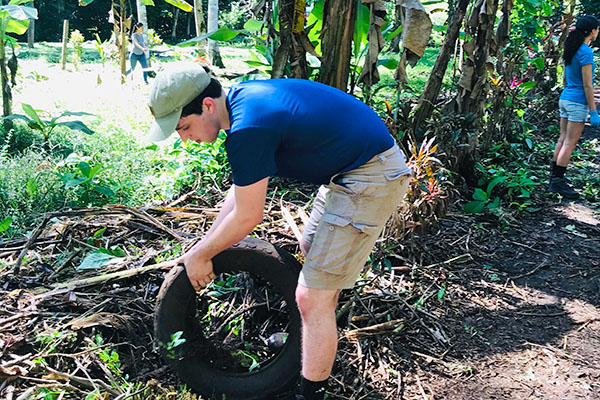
x=48, y=394
x=15, y=18
x=19, y=138
x=5, y=224
x=590, y=7
x=103, y=48
x=154, y=38
x=530, y=20
x=235, y=17
x=76, y=40
x=86, y=180
x=171, y=347
x=204, y=164
x=96, y=260
x=483, y=199
x=246, y=359
x=516, y=187
x=46, y=127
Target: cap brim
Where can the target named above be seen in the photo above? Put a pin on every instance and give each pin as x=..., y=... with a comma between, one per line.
x=163, y=127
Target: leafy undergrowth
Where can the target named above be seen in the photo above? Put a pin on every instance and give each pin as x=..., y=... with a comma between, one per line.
x=446, y=309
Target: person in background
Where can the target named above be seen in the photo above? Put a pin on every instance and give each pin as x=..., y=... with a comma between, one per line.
x=576, y=100
x=138, y=54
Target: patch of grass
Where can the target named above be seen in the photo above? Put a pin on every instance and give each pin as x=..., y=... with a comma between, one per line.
x=50, y=52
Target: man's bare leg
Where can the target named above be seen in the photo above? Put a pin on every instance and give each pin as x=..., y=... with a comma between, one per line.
x=319, y=332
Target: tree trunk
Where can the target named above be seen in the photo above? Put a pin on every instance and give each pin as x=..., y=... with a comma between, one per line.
x=121, y=23
x=142, y=15
x=188, y=25
x=336, y=42
x=175, y=19
x=31, y=30
x=31, y=34
x=199, y=18
x=6, y=93
x=214, y=55
x=395, y=43
x=568, y=20
x=291, y=23
x=65, y=41
x=472, y=84
x=432, y=88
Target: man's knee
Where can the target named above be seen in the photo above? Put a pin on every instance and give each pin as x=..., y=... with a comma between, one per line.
x=311, y=301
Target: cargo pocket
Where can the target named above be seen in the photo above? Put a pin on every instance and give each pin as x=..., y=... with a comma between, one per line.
x=338, y=221
x=341, y=244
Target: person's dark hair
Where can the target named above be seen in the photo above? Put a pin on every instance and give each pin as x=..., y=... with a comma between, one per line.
x=135, y=27
x=213, y=90
x=583, y=28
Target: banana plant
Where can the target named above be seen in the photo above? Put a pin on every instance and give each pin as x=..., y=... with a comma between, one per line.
x=46, y=127
x=14, y=18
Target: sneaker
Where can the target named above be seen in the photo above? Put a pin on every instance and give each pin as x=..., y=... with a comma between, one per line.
x=560, y=186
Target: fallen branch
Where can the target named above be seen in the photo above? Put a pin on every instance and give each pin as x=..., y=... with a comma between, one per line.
x=395, y=325
x=287, y=216
x=65, y=287
x=450, y=261
x=533, y=271
x=142, y=214
x=83, y=382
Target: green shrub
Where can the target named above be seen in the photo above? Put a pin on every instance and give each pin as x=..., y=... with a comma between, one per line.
x=19, y=138
x=76, y=40
x=28, y=187
x=154, y=38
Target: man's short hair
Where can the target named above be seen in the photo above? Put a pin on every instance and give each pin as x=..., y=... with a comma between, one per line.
x=213, y=90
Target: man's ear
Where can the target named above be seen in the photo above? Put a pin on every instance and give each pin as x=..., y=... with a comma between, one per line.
x=210, y=104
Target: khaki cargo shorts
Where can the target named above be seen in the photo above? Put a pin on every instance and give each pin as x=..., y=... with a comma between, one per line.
x=348, y=216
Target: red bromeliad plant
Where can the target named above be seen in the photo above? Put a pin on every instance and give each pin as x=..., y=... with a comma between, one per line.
x=426, y=199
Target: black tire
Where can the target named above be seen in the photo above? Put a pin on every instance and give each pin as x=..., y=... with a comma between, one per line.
x=177, y=299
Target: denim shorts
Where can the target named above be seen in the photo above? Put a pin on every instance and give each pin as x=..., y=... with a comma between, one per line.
x=347, y=218
x=574, y=112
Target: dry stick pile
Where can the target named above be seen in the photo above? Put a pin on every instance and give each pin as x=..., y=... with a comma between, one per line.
x=80, y=332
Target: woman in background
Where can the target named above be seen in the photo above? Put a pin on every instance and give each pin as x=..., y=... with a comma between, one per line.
x=576, y=100
x=138, y=54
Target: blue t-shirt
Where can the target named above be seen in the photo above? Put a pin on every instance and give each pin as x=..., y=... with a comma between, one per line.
x=299, y=129
x=574, y=91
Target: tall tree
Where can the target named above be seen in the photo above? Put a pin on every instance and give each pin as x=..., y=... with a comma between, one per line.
x=434, y=83
x=214, y=55
x=31, y=32
x=336, y=42
x=291, y=32
x=175, y=20
x=199, y=18
x=142, y=15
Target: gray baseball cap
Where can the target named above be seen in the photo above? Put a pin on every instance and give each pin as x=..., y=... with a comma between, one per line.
x=175, y=86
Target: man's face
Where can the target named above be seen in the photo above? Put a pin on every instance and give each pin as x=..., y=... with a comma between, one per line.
x=202, y=128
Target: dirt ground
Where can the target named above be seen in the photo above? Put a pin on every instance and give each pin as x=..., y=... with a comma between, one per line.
x=521, y=311
x=533, y=331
